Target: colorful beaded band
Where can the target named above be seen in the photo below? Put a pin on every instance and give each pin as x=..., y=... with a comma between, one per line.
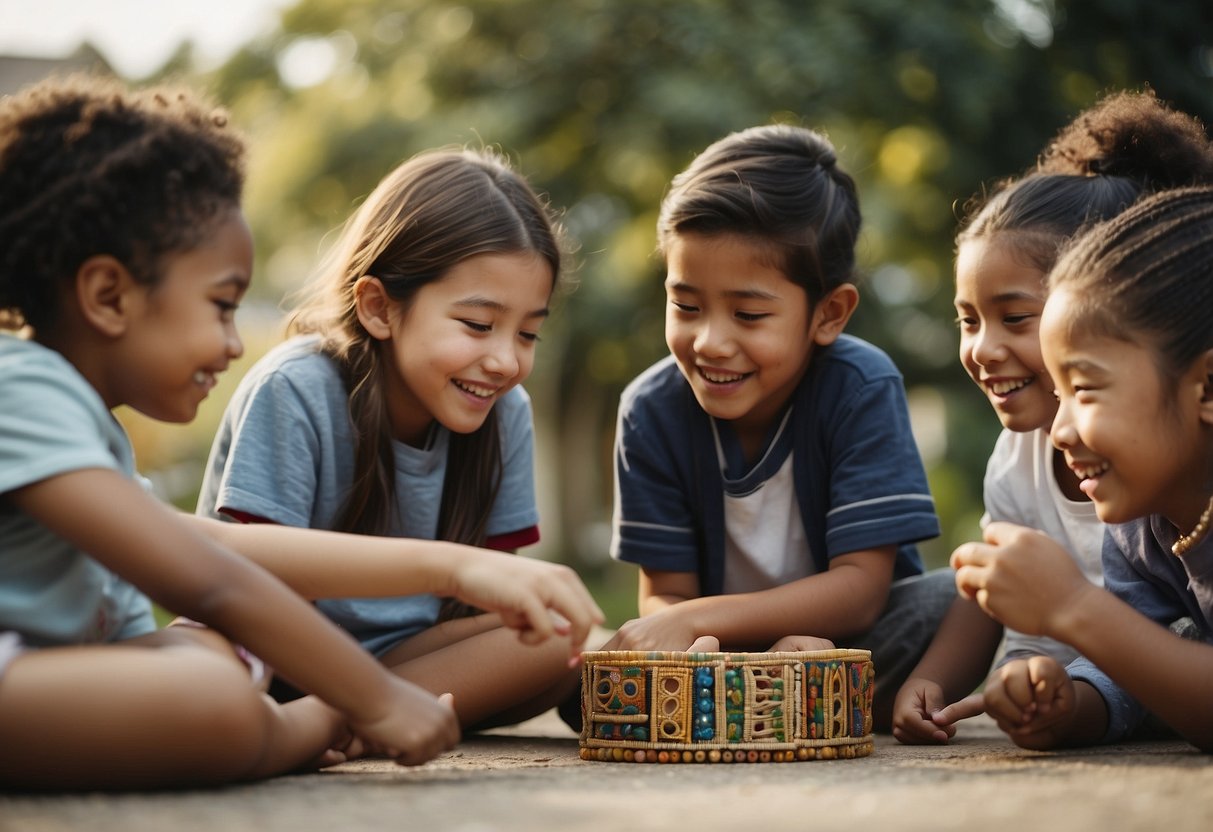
x=726, y=707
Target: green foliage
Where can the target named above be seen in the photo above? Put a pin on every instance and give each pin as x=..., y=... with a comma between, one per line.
x=600, y=102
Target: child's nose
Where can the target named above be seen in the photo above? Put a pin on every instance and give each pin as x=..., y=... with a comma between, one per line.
x=502, y=359
x=713, y=339
x=235, y=347
x=988, y=347
x=1062, y=432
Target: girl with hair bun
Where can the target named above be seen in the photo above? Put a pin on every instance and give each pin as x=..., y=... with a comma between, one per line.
x=1125, y=147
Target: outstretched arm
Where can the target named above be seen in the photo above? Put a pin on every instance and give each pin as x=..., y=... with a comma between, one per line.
x=322, y=564
x=146, y=543
x=837, y=604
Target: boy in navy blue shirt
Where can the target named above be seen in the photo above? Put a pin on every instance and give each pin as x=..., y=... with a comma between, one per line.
x=767, y=482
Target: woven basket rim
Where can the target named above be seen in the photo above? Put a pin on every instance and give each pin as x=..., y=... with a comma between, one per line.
x=606, y=656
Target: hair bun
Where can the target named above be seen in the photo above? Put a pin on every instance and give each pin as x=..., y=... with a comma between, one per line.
x=1135, y=136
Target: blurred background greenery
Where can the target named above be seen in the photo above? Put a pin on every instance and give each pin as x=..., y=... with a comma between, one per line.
x=600, y=102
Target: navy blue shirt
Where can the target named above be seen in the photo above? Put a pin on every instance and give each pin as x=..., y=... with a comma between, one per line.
x=858, y=476
x=1139, y=569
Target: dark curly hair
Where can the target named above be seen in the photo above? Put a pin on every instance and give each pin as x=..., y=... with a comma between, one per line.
x=88, y=167
x=1134, y=132
x=1126, y=146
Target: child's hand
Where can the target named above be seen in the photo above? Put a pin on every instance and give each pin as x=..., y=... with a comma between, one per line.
x=921, y=714
x=1020, y=577
x=800, y=644
x=1031, y=699
x=536, y=598
x=418, y=726
x=664, y=630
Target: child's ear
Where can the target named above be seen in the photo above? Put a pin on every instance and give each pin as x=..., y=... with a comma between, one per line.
x=372, y=304
x=103, y=287
x=1206, y=392
x=832, y=312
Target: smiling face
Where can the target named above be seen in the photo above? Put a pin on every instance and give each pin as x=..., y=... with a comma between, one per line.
x=998, y=305
x=463, y=342
x=741, y=331
x=182, y=332
x=1136, y=441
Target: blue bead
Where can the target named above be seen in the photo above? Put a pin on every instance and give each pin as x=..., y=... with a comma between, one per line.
x=705, y=706
x=705, y=720
x=705, y=693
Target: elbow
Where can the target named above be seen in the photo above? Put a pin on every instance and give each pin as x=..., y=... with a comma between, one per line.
x=866, y=615
x=871, y=599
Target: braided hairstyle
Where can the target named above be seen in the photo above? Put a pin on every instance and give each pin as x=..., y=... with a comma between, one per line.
x=1126, y=146
x=1147, y=277
x=777, y=185
x=89, y=167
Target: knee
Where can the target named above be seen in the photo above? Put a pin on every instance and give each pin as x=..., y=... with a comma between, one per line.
x=220, y=707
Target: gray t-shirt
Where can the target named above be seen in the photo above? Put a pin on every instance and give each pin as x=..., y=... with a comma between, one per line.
x=284, y=453
x=53, y=422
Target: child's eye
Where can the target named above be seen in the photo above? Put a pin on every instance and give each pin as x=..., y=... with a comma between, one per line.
x=965, y=323
x=1012, y=320
x=752, y=316
x=227, y=309
x=476, y=326
x=684, y=307
x=529, y=336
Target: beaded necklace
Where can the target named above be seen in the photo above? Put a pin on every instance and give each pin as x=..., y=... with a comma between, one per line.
x=1193, y=537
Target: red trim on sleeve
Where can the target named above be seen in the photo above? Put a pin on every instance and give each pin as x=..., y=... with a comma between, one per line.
x=244, y=516
x=513, y=540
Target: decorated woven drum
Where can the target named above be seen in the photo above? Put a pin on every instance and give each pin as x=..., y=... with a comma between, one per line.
x=726, y=707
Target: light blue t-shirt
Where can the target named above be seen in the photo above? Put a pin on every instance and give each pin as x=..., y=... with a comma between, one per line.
x=53, y=422
x=285, y=453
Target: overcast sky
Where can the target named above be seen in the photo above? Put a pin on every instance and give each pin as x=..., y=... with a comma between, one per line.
x=135, y=36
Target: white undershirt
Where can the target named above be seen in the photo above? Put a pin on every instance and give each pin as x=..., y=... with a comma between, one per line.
x=764, y=541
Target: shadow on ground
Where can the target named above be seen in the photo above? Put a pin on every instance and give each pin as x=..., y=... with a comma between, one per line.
x=529, y=777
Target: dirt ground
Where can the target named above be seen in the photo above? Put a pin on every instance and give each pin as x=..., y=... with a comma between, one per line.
x=529, y=777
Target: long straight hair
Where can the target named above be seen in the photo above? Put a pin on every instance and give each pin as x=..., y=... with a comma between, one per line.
x=426, y=216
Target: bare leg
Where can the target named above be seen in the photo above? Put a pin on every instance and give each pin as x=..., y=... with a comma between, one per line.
x=495, y=679
x=130, y=716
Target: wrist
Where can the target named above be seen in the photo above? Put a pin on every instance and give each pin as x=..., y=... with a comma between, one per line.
x=450, y=561
x=1077, y=615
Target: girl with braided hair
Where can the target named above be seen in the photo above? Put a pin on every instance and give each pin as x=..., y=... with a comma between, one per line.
x=1126, y=339
x=1124, y=147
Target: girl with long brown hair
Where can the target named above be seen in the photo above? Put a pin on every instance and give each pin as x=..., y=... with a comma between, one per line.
x=396, y=410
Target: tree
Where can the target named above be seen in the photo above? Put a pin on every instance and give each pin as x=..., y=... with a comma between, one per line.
x=600, y=102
